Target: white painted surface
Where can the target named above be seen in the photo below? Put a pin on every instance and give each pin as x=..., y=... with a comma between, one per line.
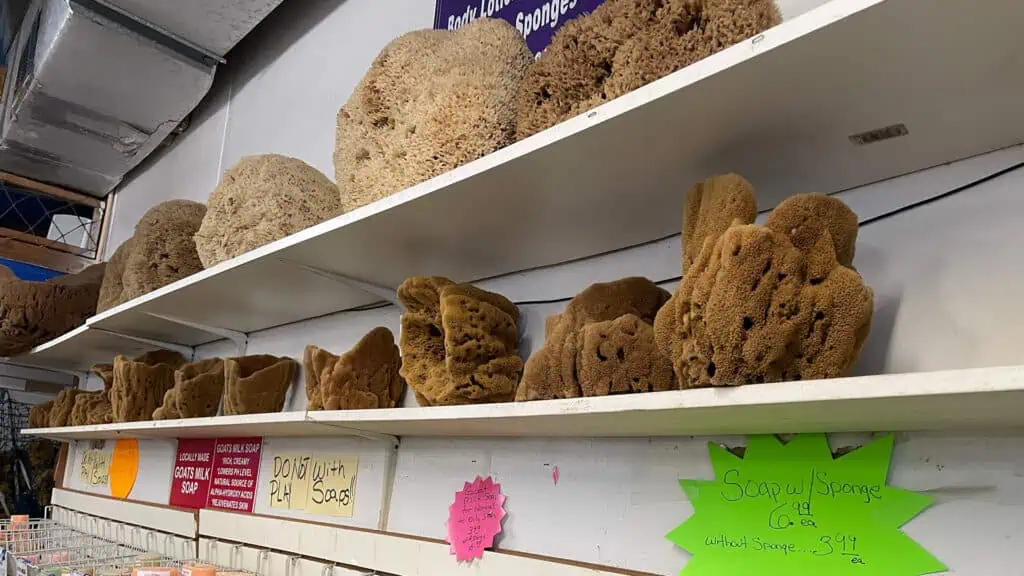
x=947, y=280
x=159, y=518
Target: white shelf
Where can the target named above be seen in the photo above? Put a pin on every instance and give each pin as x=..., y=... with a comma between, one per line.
x=957, y=399
x=779, y=108
x=80, y=348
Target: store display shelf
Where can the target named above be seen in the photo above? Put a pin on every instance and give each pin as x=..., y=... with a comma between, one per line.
x=80, y=348
x=953, y=399
x=852, y=92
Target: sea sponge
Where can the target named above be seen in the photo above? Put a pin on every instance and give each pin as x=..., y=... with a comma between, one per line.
x=256, y=384
x=162, y=250
x=112, y=288
x=32, y=313
x=39, y=415
x=140, y=384
x=262, y=199
x=367, y=376
x=91, y=408
x=168, y=409
x=60, y=413
x=431, y=101
x=105, y=373
x=625, y=44
x=556, y=370
x=753, y=307
x=459, y=343
x=198, y=388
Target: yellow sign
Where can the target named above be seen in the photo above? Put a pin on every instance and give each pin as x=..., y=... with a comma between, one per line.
x=95, y=464
x=332, y=485
x=289, y=481
x=124, y=467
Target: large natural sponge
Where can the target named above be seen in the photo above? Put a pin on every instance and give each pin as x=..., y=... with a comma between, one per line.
x=625, y=44
x=768, y=303
x=112, y=289
x=39, y=415
x=459, y=343
x=161, y=251
x=256, y=384
x=32, y=313
x=365, y=377
x=140, y=384
x=260, y=200
x=431, y=101
x=601, y=343
x=60, y=414
x=91, y=408
x=197, y=391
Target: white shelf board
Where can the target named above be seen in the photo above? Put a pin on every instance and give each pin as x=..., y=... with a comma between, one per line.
x=80, y=348
x=981, y=398
x=778, y=108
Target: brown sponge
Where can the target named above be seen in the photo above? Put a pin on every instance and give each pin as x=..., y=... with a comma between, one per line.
x=256, y=384
x=753, y=308
x=32, y=313
x=112, y=289
x=91, y=408
x=556, y=369
x=39, y=415
x=262, y=199
x=459, y=343
x=619, y=356
x=625, y=44
x=365, y=377
x=431, y=101
x=105, y=373
x=711, y=207
x=168, y=409
x=140, y=384
x=163, y=250
x=198, y=388
x=60, y=414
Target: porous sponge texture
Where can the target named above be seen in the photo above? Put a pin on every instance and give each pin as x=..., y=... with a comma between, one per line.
x=39, y=415
x=197, y=391
x=753, y=307
x=161, y=251
x=91, y=408
x=365, y=377
x=34, y=312
x=459, y=343
x=599, y=344
x=60, y=414
x=168, y=410
x=625, y=44
x=260, y=200
x=431, y=101
x=256, y=384
x=141, y=383
x=105, y=372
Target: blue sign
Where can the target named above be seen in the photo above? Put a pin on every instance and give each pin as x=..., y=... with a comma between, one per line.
x=536, y=20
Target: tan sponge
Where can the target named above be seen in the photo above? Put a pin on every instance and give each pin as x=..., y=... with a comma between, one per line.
x=602, y=343
x=91, y=408
x=365, y=377
x=39, y=415
x=764, y=303
x=197, y=391
x=140, y=384
x=625, y=44
x=256, y=384
x=262, y=199
x=161, y=251
x=34, y=312
x=431, y=101
x=459, y=343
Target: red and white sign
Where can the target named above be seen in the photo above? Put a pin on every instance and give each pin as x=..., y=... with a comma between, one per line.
x=190, y=483
x=236, y=468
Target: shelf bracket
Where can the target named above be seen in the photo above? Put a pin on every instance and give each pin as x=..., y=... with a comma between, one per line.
x=385, y=293
x=241, y=339
x=186, y=351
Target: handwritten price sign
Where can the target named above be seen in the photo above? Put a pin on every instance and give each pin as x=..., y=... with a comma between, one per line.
x=792, y=509
x=474, y=519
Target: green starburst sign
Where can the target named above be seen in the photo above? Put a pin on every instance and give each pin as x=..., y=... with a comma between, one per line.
x=792, y=509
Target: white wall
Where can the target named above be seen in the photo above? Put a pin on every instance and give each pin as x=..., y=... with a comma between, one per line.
x=946, y=276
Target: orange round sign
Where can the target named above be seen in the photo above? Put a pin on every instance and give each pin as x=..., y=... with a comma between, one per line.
x=124, y=467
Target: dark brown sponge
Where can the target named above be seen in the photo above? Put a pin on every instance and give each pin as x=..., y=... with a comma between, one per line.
x=432, y=101
x=162, y=250
x=39, y=415
x=256, y=384
x=459, y=343
x=32, y=313
x=141, y=383
x=625, y=44
x=367, y=376
x=554, y=371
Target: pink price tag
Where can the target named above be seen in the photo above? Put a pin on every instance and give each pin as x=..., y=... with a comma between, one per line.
x=474, y=519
